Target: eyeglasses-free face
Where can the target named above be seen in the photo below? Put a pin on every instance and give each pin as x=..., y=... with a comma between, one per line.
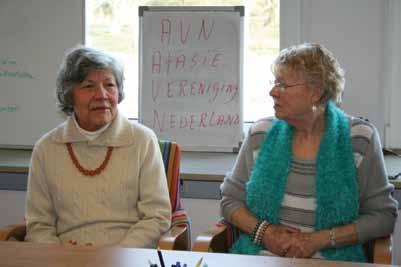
x=95, y=99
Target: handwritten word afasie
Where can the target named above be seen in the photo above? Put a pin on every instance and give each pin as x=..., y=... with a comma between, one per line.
x=179, y=62
x=193, y=121
x=169, y=30
x=212, y=91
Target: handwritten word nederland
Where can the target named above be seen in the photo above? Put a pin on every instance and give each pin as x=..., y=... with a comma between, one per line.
x=193, y=121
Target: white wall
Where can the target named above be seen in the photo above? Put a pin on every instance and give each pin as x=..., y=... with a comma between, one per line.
x=12, y=205
x=355, y=32
x=204, y=213
x=392, y=77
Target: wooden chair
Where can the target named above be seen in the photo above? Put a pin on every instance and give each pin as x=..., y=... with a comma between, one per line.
x=221, y=236
x=179, y=235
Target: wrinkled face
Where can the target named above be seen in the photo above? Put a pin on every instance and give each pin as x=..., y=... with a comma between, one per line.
x=293, y=99
x=95, y=100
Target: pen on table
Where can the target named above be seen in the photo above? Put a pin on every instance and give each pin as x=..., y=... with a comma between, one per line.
x=198, y=264
x=159, y=253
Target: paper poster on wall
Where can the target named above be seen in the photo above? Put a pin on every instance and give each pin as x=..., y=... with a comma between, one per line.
x=190, y=80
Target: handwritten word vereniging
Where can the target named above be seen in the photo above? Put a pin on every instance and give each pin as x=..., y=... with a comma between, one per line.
x=211, y=90
x=164, y=64
x=193, y=121
x=167, y=30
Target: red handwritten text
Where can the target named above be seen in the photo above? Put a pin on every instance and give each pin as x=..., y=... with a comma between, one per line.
x=193, y=121
x=212, y=90
x=182, y=62
x=204, y=30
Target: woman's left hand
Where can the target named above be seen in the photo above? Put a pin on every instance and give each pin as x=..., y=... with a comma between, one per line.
x=303, y=245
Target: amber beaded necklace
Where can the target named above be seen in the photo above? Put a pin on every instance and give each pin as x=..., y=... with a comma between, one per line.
x=87, y=172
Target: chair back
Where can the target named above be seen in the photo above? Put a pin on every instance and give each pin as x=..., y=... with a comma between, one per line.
x=171, y=154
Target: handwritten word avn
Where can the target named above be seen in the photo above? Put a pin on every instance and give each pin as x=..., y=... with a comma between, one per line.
x=164, y=64
x=193, y=121
x=183, y=31
x=213, y=91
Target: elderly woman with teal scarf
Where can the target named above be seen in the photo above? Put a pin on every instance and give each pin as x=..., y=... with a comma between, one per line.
x=311, y=181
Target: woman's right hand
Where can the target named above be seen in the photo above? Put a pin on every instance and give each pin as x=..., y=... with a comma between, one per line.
x=277, y=238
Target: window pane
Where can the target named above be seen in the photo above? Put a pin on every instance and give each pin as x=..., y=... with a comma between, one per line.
x=113, y=27
x=262, y=43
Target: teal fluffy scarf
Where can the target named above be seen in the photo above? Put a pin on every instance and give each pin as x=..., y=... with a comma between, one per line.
x=336, y=183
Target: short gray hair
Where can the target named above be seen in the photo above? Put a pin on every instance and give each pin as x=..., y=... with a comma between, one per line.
x=319, y=66
x=76, y=66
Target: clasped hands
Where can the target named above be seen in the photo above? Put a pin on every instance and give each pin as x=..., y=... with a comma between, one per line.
x=288, y=241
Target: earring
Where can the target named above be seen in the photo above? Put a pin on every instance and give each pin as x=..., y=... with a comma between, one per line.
x=314, y=108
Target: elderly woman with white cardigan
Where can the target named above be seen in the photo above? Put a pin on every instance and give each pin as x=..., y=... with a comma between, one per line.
x=97, y=179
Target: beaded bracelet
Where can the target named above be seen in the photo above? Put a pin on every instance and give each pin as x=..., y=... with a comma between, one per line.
x=255, y=229
x=260, y=232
